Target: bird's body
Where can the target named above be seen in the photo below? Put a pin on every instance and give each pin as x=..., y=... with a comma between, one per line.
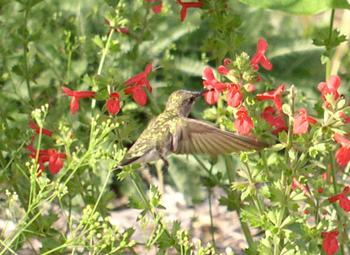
x=172, y=132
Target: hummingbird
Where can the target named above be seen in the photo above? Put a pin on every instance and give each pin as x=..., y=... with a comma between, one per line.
x=173, y=132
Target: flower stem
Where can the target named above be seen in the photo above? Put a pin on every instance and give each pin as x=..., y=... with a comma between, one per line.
x=105, y=51
x=211, y=218
x=329, y=62
x=25, y=54
x=244, y=226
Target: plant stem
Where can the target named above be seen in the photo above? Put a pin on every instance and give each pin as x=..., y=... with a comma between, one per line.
x=244, y=226
x=25, y=54
x=102, y=61
x=105, y=51
x=211, y=218
x=329, y=63
x=136, y=181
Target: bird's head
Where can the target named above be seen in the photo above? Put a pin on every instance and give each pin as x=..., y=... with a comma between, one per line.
x=181, y=101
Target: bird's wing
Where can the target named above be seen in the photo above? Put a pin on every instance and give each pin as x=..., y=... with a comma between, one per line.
x=198, y=137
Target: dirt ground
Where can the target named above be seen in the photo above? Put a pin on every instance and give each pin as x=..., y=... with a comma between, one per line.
x=196, y=220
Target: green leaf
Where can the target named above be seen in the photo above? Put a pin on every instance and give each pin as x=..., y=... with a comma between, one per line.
x=299, y=6
x=322, y=38
x=251, y=214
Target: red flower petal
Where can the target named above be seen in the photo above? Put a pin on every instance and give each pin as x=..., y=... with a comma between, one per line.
x=208, y=74
x=243, y=122
x=301, y=122
x=36, y=128
x=330, y=243
x=223, y=70
x=74, y=105
x=274, y=95
x=185, y=6
x=113, y=103
x=330, y=87
x=275, y=120
x=343, y=156
x=55, y=161
x=211, y=97
x=68, y=91
x=234, y=96
x=259, y=57
x=342, y=140
x=135, y=85
x=139, y=96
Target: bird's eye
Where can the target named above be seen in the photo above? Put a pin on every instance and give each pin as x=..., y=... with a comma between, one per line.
x=191, y=99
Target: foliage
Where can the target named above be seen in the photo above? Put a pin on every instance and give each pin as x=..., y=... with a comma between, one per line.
x=80, y=80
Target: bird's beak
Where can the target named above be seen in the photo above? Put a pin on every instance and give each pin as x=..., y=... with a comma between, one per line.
x=200, y=93
x=204, y=91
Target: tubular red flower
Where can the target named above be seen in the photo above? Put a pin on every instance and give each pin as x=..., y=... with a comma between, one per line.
x=274, y=95
x=330, y=87
x=158, y=7
x=330, y=243
x=113, y=103
x=213, y=86
x=76, y=96
x=346, y=119
x=250, y=87
x=243, y=122
x=234, y=97
x=302, y=121
x=343, y=154
x=276, y=120
x=36, y=128
x=186, y=5
x=259, y=57
x=223, y=70
x=342, y=197
x=135, y=86
x=52, y=156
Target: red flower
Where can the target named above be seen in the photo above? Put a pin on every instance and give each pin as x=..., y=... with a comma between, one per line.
x=186, y=5
x=76, y=96
x=259, y=57
x=275, y=120
x=36, y=128
x=330, y=87
x=55, y=161
x=274, y=95
x=223, y=70
x=330, y=243
x=343, y=154
x=250, y=87
x=234, y=96
x=243, y=122
x=156, y=8
x=52, y=156
x=123, y=30
x=135, y=84
x=302, y=121
x=213, y=86
x=113, y=103
x=227, y=61
x=342, y=197
x=345, y=118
